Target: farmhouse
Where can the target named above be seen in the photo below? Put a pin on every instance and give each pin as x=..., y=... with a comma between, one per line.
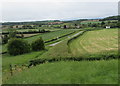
x=107, y=27
x=17, y=26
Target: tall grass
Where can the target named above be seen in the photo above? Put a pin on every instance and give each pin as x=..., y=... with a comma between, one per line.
x=85, y=72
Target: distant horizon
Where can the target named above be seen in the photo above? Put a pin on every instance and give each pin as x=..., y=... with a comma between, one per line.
x=56, y=19
x=53, y=10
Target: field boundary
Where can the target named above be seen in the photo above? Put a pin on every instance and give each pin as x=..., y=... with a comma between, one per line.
x=54, y=39
x=42, y=61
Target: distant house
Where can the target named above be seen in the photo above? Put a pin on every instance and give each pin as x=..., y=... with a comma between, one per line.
x=78, y=26
x=52, y=23
x=17, y=26
x=107, y=27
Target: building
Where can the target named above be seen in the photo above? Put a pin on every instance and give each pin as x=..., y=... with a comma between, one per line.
x=107, y=27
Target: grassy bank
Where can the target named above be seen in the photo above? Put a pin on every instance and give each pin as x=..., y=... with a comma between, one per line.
x=85, y=72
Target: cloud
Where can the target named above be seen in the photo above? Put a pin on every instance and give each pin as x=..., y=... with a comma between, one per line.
x=60, y=0
x=25, y=11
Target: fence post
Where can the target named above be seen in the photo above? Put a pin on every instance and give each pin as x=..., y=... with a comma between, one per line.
x=11, y=72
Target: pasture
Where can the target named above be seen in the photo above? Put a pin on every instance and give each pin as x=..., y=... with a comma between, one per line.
x=51, y=35
x=89, y=40
x=85, y=72
x=95, y=42
x=27, y=30
x=85, y=44
x=25, y=58
x=46, y=36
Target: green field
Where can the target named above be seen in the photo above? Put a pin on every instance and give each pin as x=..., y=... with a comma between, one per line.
x=88, y=45
x=17, y=60
x=45, y=36
x=51, y=35
x=27, y=30
x=95, y=42
x=85, y=72
x=25, y=58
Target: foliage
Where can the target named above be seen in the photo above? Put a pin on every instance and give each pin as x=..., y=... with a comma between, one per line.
x=22, y=35
x=18, y=46
x=38, y=45
x=111, y=18
x=65, y=26
x=4, y=39
x=12, y=33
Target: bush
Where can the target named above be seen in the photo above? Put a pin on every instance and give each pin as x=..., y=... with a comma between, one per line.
x=18, y=46
x=38, y=45
x=12, y=34
x=5, y=39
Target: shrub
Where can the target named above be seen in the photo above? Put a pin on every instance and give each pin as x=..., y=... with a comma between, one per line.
x=18, y=46
x=42, y=31
x=5, y=39
x=22, y=35
x=38, y=45
x=12, y=34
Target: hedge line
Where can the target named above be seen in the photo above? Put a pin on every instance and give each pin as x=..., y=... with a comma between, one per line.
x=59, y=37
x=32, y=32
x=102, y=57
x=75, y=37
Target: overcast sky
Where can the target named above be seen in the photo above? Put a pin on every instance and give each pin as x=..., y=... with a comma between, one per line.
x=34, y=10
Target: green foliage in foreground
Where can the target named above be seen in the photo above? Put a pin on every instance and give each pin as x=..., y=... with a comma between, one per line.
x=18, y=46
x=85, y=72
x=19, y=59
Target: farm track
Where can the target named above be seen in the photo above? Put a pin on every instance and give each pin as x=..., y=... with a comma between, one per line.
x=66, y=39
x=52, y=40
x=39, y=61
x=104, y=57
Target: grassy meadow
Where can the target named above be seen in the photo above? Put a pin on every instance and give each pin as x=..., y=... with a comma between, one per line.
x=95, y=42
x=50, y=35
x=83, y=44
x=46, y=36
x=25, y=58
x=85, y=72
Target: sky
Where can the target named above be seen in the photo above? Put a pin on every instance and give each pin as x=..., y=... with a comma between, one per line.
x=38, y=10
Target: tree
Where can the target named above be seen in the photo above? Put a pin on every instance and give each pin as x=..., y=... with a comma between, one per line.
x=118, y=24
x=42, y=31
x=109, y=22
x=22, y=35
x=65, y=26
x=75, y=25
x=12, y=33
x=5, y=39
x=38, y=45
x=102, y=23
x=18, y=46
x=94, y=25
